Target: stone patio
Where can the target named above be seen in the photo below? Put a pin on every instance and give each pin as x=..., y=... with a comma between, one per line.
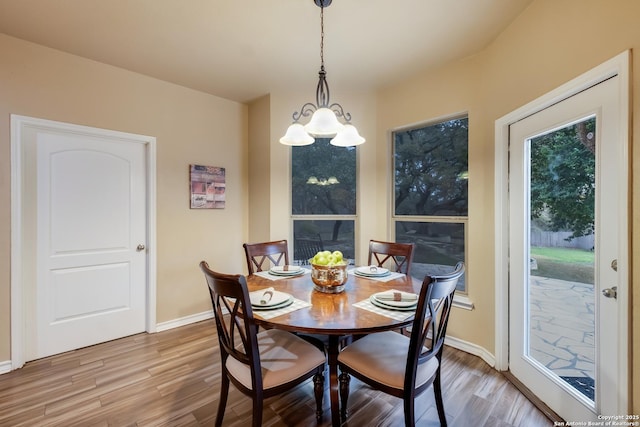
x=563, y=328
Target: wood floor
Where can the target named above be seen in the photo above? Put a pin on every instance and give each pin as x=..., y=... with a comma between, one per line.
x=171, y=378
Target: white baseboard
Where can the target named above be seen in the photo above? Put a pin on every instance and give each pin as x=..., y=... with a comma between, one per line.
x=471, y=348
x=456, y=343
x=183, y=321
x=5, y=367
x=465, y=346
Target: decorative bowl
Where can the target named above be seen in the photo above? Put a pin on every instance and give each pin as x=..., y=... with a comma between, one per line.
x=329, y=279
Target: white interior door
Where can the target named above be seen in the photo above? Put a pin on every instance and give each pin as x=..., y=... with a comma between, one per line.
x=91, y=232
x=564, y=335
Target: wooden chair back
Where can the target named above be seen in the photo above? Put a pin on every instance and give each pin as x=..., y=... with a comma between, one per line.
x=305, y=248
x=263, y=255
x=257, y=376
x=430, y=323
x=398, y=254
x=237, y=331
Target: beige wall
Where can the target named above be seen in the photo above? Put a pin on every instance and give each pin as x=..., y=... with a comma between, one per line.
x=190, y=127
x=259, y=171
x=548, y=45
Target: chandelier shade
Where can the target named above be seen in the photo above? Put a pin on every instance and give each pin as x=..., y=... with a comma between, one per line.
x=347, y=137
x=326, y=118
x=323, y=123
x=297, y=136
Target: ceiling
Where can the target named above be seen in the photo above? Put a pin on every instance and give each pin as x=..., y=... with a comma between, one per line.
x=243, y=49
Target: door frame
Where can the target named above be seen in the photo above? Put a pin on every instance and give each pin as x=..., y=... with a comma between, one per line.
x=19, y=265
x=620, y=66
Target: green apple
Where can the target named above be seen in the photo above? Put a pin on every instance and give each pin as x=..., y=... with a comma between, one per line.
x=321, y=260
x=333, y=260
x=338, y=256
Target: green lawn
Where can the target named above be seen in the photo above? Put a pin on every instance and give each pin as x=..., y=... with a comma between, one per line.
x=574, y=265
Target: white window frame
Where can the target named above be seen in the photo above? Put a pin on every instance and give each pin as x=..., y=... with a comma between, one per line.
x=461, y=299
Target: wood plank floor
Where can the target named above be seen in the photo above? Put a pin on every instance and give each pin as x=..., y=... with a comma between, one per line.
x=172, y=378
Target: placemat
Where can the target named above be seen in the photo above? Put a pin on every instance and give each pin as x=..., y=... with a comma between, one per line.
x=391, y=276
x=393, y=314
x=270, y=314
x=270, y=276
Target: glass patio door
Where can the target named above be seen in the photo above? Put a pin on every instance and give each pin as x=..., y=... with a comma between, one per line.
x=564, y=211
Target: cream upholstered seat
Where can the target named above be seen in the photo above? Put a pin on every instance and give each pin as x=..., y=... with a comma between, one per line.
x=282, y=356
x=371, y=359
x=263, y=364
x=405, y=366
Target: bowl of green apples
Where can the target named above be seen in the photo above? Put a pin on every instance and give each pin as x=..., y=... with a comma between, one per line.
x=328, y=271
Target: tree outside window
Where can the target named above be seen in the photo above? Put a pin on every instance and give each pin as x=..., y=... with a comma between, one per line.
x=323, y=198
x=431, y=194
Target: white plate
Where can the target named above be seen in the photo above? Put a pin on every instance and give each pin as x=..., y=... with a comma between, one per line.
x=371, y=271
x=405, y=302
x=277, y=298
x=273, y=307
x=372, y=276
x=380, y=304
x=291, y=270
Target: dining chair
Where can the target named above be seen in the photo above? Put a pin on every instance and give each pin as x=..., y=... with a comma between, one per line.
x=404, y=366
x=400, y=253
x=274, y=253
x=304, y=248
x=260, y=365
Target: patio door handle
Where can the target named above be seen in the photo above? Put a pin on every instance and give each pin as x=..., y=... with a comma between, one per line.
x=611, y=292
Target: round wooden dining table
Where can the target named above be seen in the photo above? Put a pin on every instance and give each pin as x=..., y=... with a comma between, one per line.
x=333, y=314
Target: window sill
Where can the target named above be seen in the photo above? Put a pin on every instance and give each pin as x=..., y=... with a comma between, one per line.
x=462, y=301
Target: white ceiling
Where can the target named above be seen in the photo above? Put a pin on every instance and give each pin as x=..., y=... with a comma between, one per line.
x=243, y=49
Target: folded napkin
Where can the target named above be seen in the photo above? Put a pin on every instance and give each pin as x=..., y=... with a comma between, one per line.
x=396, y=296
x=267, y=294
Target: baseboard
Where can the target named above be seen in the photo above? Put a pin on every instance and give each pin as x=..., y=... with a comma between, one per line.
x=5, y=367
x=459, y=344
x=456, y=343
x=183, y=321
x=465, y=346
x=471, y=348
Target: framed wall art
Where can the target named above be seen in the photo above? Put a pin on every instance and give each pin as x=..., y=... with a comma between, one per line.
x=207, y=187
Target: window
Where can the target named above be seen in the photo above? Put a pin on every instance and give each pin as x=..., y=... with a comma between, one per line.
x=430, y=194
x=323, y=199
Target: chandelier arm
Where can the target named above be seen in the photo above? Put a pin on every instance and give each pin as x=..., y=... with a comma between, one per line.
x=305, y=111
x=339, y=111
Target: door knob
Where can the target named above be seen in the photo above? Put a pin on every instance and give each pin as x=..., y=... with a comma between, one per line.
x=140, y=247
x=611, y=292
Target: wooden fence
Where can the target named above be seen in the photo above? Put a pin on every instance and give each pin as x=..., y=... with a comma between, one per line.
x=557, y=239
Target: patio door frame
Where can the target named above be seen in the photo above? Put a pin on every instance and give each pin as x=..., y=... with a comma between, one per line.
x=620, y=66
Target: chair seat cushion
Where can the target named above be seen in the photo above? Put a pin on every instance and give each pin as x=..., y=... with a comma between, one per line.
x=383, y=358
x=283, y=356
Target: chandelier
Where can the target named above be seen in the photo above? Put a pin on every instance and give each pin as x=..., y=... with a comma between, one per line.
x=324, y=121
x=323, y=182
